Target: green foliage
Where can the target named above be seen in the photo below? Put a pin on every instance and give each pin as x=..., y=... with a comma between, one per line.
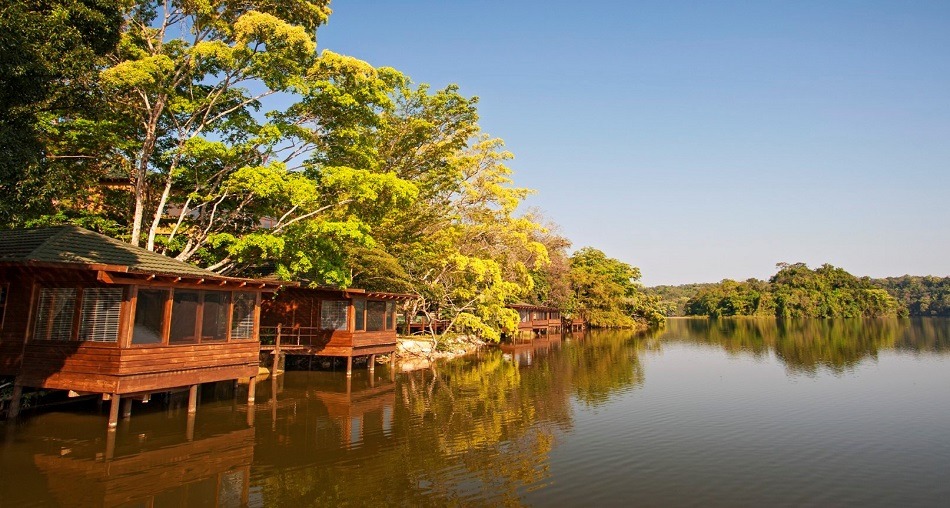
x=49, y=53
x=673, y=299
x=607, y=294
x=922, y=296
x=795, y=291
x=356, y=176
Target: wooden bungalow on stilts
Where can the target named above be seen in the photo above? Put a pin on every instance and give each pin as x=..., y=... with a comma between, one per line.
x=92, y=315
x=331, y=322
x=536, y=320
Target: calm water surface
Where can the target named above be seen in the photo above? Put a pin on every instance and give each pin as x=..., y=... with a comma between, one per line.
x=704, y=413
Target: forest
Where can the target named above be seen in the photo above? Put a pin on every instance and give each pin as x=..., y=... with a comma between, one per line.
x=797, y=291
x=217, y=133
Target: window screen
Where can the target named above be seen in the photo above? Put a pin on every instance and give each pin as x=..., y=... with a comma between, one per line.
x=149, y=316
x=101, y=309
x=4, y=290
x=390, y=315
x=333, y=314
x=359, y=307
x=184, y=316
x=375, y=316
x=214, y=316
x=54, y=314
x=242, y=320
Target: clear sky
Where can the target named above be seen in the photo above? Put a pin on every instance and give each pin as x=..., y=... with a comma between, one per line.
x=702, y=140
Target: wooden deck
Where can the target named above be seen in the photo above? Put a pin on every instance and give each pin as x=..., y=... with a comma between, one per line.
x=91, y=315
x=330, y=322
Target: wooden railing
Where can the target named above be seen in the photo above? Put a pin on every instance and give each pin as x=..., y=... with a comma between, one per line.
x=291, y=336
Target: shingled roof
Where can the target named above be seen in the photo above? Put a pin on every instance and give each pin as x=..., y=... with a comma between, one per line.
x=75, y=245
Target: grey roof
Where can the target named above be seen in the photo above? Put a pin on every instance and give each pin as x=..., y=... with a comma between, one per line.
x=72, y=244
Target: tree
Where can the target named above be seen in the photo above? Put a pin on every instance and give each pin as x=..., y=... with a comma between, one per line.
x=607, y=293
x=49, y=55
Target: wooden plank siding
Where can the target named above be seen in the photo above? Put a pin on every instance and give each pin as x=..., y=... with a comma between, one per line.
x=297, y=311
x=116, y=365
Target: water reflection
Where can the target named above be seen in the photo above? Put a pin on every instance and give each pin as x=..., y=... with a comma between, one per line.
x=808, y=345
x=510, y=424
x=156, y=459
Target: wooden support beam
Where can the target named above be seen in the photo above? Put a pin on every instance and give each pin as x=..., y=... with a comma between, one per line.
x=14, y=410
x=372, y=364
x=126, y=408
x=192, y=398
x=251, y=388
x=349, y=366
x=114, y=401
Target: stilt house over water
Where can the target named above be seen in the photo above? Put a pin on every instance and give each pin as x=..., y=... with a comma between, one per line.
x=331, y=322
x=537, y=319
x=83, y=312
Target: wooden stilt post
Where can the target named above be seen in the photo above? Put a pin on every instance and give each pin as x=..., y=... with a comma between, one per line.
x=372, y=364
x=392, y=366
x=14, y=408
x=114, y=410
x=126, y=408
x=190, y=427
x=251, y=388
x=192, y=398
x=110, y=443
x=349, y=366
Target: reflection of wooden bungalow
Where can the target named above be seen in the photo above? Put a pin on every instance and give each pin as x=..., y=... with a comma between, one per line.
x=93, y=315
x=524, y=353
x=574, y=324
x=327, y=415
x=331, y=322
x=537, y=319
x=212, y=471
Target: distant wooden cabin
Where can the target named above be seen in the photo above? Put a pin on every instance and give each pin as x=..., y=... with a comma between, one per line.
x=422, y=325
x=573, y=323
x=537, y=319
x=86, y=313
x=331, y=322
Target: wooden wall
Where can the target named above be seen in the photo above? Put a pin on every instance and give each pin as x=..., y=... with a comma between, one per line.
x=105, y=368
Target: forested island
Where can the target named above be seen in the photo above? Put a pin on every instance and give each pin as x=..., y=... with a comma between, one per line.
x=797, y=291
x=217, y=134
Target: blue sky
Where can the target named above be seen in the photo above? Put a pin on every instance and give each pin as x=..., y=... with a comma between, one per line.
x=702, y=140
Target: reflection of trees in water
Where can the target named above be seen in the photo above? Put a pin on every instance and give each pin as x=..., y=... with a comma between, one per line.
x=476, y=430
x=606, y=362
x=807, y=345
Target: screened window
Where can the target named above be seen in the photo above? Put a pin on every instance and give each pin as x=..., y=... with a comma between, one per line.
x=54, y=314
x=149, y=316
x=184, y=317
x=101, y=309
x=390, y=315
x=214, y=316
x=359, y=307
x=4, y=290
x=524, y=315
x=375, y=316
x=242, y=319
x=333, y=314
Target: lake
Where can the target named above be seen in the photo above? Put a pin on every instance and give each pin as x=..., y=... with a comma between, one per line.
x=736, y=412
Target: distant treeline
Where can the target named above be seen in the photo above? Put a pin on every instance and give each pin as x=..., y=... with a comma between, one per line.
x=797, y=291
